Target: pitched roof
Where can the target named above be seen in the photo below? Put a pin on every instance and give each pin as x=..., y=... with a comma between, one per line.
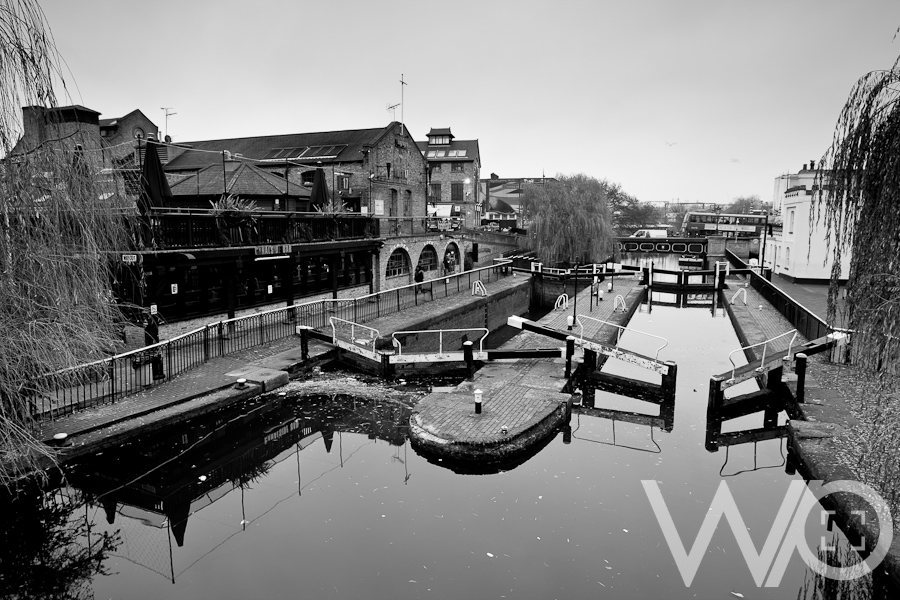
x=450, y=152
x=298, y=148
x=243, y=179
x=440, y=131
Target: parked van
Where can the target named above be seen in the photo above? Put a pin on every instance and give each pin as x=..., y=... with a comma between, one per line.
x=650, y=233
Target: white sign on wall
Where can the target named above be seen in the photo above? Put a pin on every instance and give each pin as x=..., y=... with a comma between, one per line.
x=379, y=207
x=174, y=288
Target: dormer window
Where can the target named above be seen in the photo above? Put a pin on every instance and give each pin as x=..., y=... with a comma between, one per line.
x=439, y=140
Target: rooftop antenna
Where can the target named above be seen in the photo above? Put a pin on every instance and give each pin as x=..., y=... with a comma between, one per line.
x=402, y=83
x=169, y=113
x=393, y=109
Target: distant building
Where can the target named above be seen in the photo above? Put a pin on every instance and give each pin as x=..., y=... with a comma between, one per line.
x=454, y=167
x=797, y=250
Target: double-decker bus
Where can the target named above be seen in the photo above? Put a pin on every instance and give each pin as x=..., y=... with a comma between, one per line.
x=702, y=224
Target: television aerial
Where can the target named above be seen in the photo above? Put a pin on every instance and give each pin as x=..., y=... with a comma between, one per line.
x=392, y=108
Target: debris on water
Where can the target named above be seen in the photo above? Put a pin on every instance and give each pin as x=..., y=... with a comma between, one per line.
x=738, y=594
x=202, y=478
x=625, y=530
x=491, y=555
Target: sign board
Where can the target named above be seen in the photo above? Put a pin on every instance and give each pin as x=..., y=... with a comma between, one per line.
x=174, y=288
x=129, y=259
x=153, y=309
x=379, y=206
x=270, y=289
x=272, y=249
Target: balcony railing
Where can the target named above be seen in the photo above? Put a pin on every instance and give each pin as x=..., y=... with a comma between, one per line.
x=202, y=228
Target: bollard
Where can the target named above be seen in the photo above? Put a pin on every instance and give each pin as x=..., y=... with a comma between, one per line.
x=800, y=370
x=570, y=321
x=599, y=295
x=609, y=286
x=570, y=351
x=470, y=361
x=304, y=341
x=478, y=395
x=241, y=383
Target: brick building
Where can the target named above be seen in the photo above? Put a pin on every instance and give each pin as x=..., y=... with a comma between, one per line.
x=453, y=170
x=372, y=171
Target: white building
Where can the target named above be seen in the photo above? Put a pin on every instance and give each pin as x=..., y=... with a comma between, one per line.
x=796, y=252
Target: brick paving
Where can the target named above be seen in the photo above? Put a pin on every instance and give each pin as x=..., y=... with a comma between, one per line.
x=518, y=394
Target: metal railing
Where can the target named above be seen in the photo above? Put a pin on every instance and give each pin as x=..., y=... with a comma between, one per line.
x=110, y=379
x=765, y=345
x=440, y=332
x=621, y=328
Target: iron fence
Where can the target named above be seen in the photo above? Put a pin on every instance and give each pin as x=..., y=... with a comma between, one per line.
x=804, y=320
x=107, y=380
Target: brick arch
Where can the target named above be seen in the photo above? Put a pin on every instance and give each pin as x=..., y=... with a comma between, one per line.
x=398, y=264
x=429, y=259
x=452, y=249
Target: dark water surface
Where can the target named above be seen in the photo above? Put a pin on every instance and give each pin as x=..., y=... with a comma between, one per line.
x=324, y=498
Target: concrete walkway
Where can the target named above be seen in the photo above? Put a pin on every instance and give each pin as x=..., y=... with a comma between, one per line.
x=523, y=400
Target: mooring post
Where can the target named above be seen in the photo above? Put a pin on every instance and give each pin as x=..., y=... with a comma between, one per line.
x=668, y=380
x=800, y=370
x=773, y=378
x=570, y=351
x=470, y=361
x=386, y=366
x=304, y=341
x=590, y=360
x=716, y=396
x=478, y=396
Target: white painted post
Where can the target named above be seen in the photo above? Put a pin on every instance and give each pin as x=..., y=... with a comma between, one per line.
x=478, y=395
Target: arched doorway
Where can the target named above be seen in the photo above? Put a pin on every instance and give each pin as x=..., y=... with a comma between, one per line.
x=452, y=258
x=428, y=259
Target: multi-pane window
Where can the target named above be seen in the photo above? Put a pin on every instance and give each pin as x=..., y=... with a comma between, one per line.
x=428, y=259
x=398, y=263
x=456, y=192
x=791, y=222
x=457, y=167
x=434, y=190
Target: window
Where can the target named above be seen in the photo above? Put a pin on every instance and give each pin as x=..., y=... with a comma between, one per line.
x=431, y=154
x=457, y=167
x=791, y=222
x=440, y=140
x=398, y=263
x=435, y=168
x=440, y=154
x=434, y=191
x=787, y=257
x=306, y=177
x=428, y=259
x=456, y=192
x=407, y=203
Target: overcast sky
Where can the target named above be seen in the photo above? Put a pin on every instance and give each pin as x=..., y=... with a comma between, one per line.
x=700, y=100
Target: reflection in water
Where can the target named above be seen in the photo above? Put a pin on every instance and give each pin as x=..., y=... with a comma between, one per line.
x=818, y=587
x=49, y=549
x=220, y=458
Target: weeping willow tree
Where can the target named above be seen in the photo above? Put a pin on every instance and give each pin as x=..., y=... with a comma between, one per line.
x=58, y=218
x=859, y=180
x=570, y=220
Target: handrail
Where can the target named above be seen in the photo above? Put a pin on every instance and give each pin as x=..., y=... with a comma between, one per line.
x=478, y=286
x=616, y=302
x=440, y=333
x=353, y=327
x=737, y=293
x=765, y=345
x=621, y=329
x=562, y=302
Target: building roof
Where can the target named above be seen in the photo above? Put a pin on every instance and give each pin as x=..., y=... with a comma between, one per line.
x=440, y=131
x=451, y=151
x=243, y=179
x=295, y=148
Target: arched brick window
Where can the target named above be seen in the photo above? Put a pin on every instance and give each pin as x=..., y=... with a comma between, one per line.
x=398, y=263
x=428, y=259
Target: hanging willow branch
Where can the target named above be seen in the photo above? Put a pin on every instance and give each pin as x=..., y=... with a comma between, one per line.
x=60, y=212
x=570, y=220
x=859, y=179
